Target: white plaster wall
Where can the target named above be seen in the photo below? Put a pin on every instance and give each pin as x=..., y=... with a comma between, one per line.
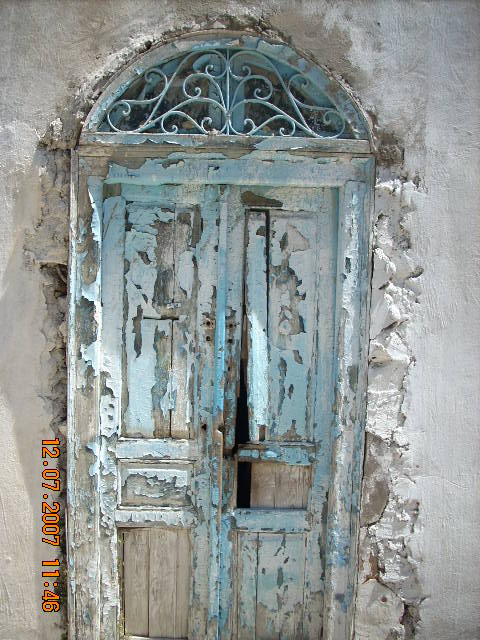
x=415, y=68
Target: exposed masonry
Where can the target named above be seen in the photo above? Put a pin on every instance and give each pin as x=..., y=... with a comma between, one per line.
x=46, y=249
x=388, y=590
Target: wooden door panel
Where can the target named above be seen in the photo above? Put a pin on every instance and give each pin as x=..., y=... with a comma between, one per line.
x=162, y=458
x=277, y=542
x=136, y=578
x=148, y=350
x=291, y=322
x=160, y=295
x=279, y=486
x=281, y=298
x=256, y=283
x=271, y=569
x=156, y=579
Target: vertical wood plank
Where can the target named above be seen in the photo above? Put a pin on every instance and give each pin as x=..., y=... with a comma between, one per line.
x=291, y=320
x=247, y=546
x=281, y=562
x=149, y=255
x=182, y=586
x=263, y=485
x=183, y=347
x=162, y=585
x=322, y=414
x=291, y=487
x=206, y=260
x=83, y=429
x=184, y=270
x=256, y=303
x=313, y=586
x=228, y=577
x=347, y=448
x=234, y=313
x=288, y=494
x=304, y=483
x=149, y=280
x=148, y=351
x=161, y=392
x=136, y=581
x=181, y=385
x=113, y=250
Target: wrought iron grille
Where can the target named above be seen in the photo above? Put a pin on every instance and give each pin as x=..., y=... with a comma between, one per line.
x=226, y=91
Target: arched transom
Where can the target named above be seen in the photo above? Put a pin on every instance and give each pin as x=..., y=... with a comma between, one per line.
x=232, y=87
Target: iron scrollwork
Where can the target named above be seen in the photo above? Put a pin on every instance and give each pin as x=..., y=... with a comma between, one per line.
x=226, y=91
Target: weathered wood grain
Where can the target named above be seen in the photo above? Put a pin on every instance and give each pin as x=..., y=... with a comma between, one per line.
x=291, y=487
x=281, y=562
x=234, y=311
x=162, y=584
x=136, y=554
x=148, y=378
x=182, y=586
x=291, y=322
x=182, y=350
x=279, y=486
x=263, y=485
x=247, y=564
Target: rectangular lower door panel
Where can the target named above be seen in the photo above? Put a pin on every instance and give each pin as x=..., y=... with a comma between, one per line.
x=271, y=571
x=156, y=582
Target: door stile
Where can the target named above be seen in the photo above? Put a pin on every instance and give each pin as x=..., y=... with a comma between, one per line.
x=112, y=290
x=84, y=353
x=351, y=322
x=234, y=277
x=217, y=426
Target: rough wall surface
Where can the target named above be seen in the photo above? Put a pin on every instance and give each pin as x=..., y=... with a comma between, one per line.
x=414, y=67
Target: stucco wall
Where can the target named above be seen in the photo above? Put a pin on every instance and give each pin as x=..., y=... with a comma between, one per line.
x=414, y=67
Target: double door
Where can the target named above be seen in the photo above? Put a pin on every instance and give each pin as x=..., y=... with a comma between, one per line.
x=218, y=336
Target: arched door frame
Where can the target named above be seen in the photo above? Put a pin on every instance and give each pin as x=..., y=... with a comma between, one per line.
x=112, y=157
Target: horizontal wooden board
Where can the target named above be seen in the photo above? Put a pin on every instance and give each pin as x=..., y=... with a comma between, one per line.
x=161, y=448
x=271, y=520
x=155, y=484
x=175, y=517
x=279, y=486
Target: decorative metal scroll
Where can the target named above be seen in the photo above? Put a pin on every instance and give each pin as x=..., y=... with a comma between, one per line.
x=226, y=91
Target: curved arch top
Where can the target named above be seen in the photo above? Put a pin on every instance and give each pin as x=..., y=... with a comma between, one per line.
x=236, y=85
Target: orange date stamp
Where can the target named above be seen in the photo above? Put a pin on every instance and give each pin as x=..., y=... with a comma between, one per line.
x=51, y=525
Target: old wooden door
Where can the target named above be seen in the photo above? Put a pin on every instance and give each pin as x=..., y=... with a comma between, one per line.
x=210, y=306
x=213, y=291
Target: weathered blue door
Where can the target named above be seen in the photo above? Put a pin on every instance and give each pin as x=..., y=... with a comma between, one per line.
x=159, y=279
x=278, y=413
x=218, y=328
